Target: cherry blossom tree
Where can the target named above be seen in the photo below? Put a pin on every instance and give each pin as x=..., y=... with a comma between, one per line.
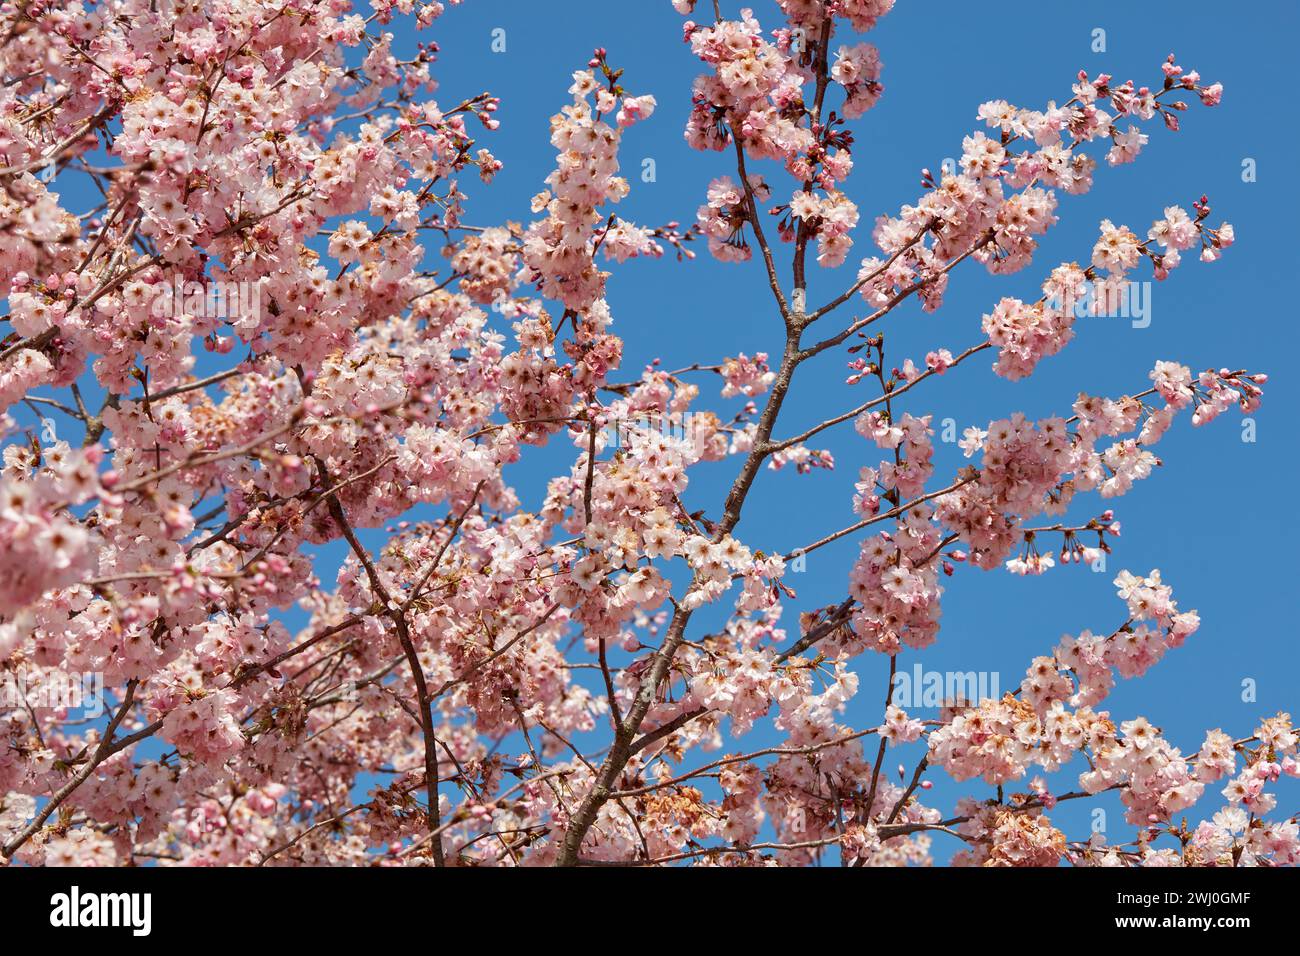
x=264, y=188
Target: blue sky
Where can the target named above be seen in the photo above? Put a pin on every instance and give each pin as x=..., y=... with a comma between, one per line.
x=1211, y=519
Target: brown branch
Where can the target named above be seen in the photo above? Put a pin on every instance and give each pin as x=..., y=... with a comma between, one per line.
x=106, y=748
x=397, y=614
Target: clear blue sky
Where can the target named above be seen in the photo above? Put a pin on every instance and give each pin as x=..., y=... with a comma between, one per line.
x=1211, y=519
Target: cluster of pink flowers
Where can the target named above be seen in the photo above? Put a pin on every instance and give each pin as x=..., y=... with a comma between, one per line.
x=830, y=218
x=1025, y=334
x=559, y=250
x=42, y=546
x=896, y=582
x=857, y=69
x=1001, y=740
x=746, y=376
x=1001, y=200
x=722, y=218
x=1037, y=468
x=206, y=729
x=998, y=837
x=747, y=95
x=756, y=98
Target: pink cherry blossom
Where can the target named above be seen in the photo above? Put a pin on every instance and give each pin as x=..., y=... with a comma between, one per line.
x=294, y=363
